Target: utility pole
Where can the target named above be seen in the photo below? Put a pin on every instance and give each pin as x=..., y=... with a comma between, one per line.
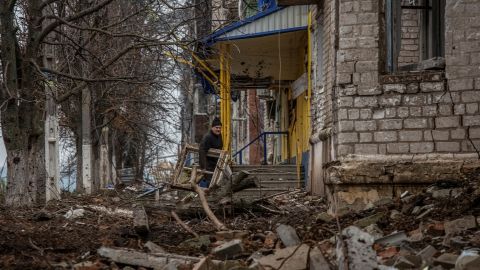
x=52, y=183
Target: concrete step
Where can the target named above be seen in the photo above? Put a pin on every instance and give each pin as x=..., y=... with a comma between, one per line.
x=276, y=176
x=265, y=168
x=283, y=184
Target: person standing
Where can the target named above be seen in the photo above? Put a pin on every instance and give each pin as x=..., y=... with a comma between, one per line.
x=213, y=139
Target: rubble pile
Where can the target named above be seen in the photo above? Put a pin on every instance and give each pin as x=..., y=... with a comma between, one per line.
x=434, y=229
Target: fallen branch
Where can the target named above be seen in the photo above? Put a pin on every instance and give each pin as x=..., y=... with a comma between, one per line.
x=201, y=194
x=183, y=224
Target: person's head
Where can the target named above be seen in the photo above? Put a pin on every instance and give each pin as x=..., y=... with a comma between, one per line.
x=216, y=126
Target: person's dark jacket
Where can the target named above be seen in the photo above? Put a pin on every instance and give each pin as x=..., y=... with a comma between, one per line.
x=210, y=140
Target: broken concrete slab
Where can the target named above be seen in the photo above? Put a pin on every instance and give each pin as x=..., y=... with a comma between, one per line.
x=446, y=260
x=290, y=258
x=317, y=261
x=140, y=221
x=360, y=254
x=288, y=235
x=427, y=253
x=446, y=193
x=392, y=239
x=468, y=260
x=459, y=225
x=229, y=249
x=153, y=248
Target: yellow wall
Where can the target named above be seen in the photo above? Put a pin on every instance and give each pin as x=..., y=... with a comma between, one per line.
x=299, y=128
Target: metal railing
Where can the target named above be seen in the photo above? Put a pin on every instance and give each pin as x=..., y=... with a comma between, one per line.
x=262, y=136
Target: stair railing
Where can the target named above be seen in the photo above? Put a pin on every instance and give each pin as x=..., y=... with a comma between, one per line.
x=262, y=136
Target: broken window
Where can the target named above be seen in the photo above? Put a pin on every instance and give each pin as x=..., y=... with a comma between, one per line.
x=415, y=32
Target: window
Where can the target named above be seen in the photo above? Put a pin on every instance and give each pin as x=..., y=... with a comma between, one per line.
x=415, y=32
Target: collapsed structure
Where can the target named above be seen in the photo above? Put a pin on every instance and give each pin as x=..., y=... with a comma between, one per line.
x=368, y=98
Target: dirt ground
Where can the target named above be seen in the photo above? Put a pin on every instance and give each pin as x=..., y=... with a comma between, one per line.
x=42, y=238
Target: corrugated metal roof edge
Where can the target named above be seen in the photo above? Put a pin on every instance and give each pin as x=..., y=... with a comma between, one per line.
x=262, y=34
x=211, y=39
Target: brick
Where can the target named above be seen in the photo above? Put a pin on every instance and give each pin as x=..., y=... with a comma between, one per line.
x=412, y=88
x=344, y=78
x=459, y=109
x=390, y=124
x=472, y=108
x=432, y=86
x=366, y=6
x=379, y=114
x=342, y=114
x=421, y=147
x=346, y=67
x=440, y=135
x=445, y=109
x=390, y=100
x=365, y=102
x=366, y=137
x=427, y=135
x=410, y=135
x=363, y=66
x=397, y=88
x=471, y=96
x=390, y=112
x=369, y=91
x=414, y=100
x=348, y=91
x=345, y=126
x=385, y=136
x=353, y=114
x=365, y=125
x=457, y=134
x=457, y=59
x=345, y=102
x=348, y=19
x=416, y=123
x=474, y=133
x=345, y=30
x=398, y=148
x=460, y=84
x=367, y=18
x=366, y=149
x=430, y=110
x=448, y=146
x=344, y=150
x=369, y=77
x=468, y=147
x=365, y=114
x=403, y=112
x=347, y=43
x=447, y=122
x=350, y=137
x=229, y=249
x=415, y=111
x=346, y=7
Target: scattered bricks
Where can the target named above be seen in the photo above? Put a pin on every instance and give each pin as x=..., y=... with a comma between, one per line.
x=471, y=120
x=365, y=114
x=430, y=110
x=345, y=126
x=445, y=109
x=424, y=147
x=474, y=133
x=288, y=235
x=446, y=260
x=440, y=135
x=412, y=88
x=397, y=148
x=366, y=149
x=348, y=91
x=416, y=123
x=353, y=114
x=362, y=66
x=366, y=137
x=472, y=108
x=351, y=137
x=446, y=193
x=390, y=124
x=432, y=86
x=447, y=122
x=471, y=96
x=403, y=112
x=390, y=112
x=459, y=109
x=365, y=102
x=365, y=125
x=366, y=221
x=415, y=111
x=270, y=240
x=457, y=134
x=414, y=100
x=460, y=84
x=379, y=114
x=229, y=249
x=390, y=101
x=385, y=136
x=410, y=135
x=460, y=225
x=342, y=114
x=427, y=253
x=398, y=88
x=345, y=102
